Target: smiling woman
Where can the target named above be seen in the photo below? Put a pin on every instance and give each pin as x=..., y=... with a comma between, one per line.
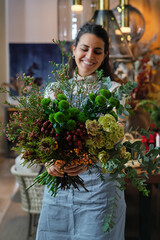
x=74, y=214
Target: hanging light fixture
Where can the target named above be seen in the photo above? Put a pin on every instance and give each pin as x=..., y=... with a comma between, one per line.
x=77, y=6
x=119, y=48
x=77, y=14
x=130, y=20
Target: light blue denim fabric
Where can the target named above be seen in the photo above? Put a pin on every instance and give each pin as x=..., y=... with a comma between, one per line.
x=79, y=215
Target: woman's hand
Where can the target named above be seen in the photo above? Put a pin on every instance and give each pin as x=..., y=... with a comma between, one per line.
x=55, y=171
x=75, y=169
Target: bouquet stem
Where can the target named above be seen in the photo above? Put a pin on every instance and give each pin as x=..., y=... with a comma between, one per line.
x=55, y=183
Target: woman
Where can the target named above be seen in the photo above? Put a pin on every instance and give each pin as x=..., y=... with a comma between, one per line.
x=73, y=214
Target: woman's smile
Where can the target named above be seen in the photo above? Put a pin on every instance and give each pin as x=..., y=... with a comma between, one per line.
x=87, y=62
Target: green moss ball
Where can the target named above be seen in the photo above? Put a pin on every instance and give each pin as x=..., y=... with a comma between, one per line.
x=100, y=100
x=106, y=93
x=92, y=97
x=74, y=112
x=71, y=124
x=45, y=102
x=59, y=117
x=63, y=104
x=61, y=96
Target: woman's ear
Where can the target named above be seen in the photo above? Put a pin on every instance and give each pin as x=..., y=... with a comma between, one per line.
x=73, y=49
x=105, y=55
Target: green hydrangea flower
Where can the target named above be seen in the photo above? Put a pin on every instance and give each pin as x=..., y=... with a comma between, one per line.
x=59, y=117
x=113, y=131
x=114, y=135
x=92, y=151
x=103, y=156
x=100, y=100
x=71, y=124
x=92, y=97
x=63, y=104
x=92, y=127
x=45, y=102
x=97, y=141
x=61, y=96
x=106, y=121
x=109, y=144
x=106, y=93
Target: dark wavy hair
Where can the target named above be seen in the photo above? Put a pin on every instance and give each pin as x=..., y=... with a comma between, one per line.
x=100, y=32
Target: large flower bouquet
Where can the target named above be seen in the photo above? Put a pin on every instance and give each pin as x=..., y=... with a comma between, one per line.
x=78, y=126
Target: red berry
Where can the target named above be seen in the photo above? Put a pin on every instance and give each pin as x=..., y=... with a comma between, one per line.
x=45, y=124
x=50, y=125
x=75, y=138
x=42, y=129
x=78, y=130
x=52, y=131
x=69, y=138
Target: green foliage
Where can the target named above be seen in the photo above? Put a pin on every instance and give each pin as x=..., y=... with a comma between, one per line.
x=51, y=118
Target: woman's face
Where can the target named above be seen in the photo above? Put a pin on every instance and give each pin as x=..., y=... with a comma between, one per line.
x=89, y=54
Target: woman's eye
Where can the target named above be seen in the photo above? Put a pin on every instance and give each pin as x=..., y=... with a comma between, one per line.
x=98, y=53
x=84, y=50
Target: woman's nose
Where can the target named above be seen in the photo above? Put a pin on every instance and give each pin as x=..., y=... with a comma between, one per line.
x=90, y=54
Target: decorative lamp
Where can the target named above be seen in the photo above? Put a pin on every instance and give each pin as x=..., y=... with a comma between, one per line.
x=77, y=5
x=130, y=20
x=77, y=16
x=72, y=14
x=119, y=48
